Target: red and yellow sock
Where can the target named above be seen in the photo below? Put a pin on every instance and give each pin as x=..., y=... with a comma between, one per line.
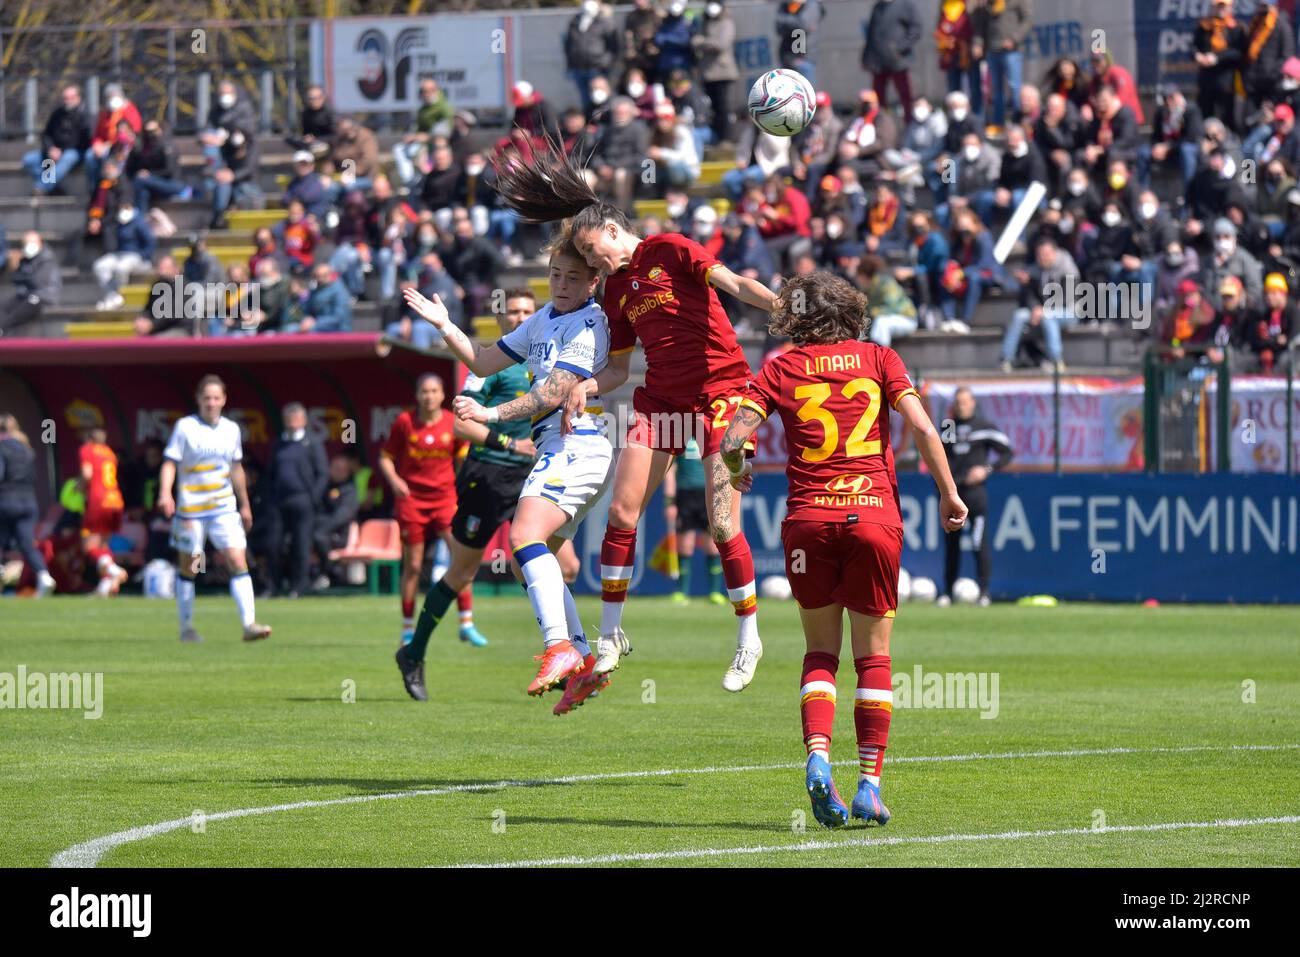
x=817, y=701
x=617, y=558
x=738, y=573
x=465, y=602
x=872, y=707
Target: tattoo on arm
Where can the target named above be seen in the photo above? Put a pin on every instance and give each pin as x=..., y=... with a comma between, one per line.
x=744, y=423
x=545, y=395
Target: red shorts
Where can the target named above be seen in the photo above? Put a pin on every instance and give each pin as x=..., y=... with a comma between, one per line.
x=424, y=520
x=665, y=425
x=836, y=563
x=101, y=521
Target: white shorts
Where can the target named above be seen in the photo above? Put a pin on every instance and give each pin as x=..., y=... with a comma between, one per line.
x=572, y=471
x=223, y=531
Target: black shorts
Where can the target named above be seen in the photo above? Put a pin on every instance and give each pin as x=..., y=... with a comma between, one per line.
x=692, y=512
x=486, y=496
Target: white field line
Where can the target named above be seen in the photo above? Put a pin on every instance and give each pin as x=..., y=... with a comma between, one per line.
x=884, y=842
x=90, y=853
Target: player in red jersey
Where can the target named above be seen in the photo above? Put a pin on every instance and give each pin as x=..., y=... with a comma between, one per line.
x=418, y=462
x=103, y=516
x=662, y=290
x=843, y=532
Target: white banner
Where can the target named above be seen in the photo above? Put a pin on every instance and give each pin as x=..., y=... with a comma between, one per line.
x=1256, y=424
x=375, y=64
x=1101, y=420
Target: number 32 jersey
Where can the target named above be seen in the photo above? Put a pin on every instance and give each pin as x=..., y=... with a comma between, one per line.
x=831, y=398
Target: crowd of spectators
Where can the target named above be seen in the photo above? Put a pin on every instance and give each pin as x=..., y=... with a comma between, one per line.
x=902, y=194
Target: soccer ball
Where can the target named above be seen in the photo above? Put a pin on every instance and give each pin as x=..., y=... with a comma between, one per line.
x=776, y=587
x=965, y=591
x=904, y=585
x=923, y=589
x=782, y=102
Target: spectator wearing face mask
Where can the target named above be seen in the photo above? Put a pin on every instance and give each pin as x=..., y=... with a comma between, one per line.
x=1270, y=198
x=1276, y=138
x=598, y=114
x=972, y=269
x=37, y=284
x=1212, y=188
x=1187, y=314
x=831, y=200
x=135, y=247
x=978, y=169
x=712, y=42
x=892, y=32
x=1079, y=191
x=872, y=133
x=921, y=145
x=1175, y=137
x=590, y=46
x=1175, y=266
x=236, y=181
x=1153, y=231
x=1227, y=258
x=960, y=123
x=1288, y=87
x=782, y=219
x=154, y=169
x=109, y=132
x=618, y=156
x=111, y=193
x=230, y=111
x=1111, y=241
x=1021, y=166
x=926, y=256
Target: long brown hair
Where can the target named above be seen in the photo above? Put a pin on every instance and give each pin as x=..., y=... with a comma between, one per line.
x=548, y=186
x=819, y=308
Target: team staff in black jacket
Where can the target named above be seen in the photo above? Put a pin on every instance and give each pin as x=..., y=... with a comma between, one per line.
x=296, y=478
x=968, y=440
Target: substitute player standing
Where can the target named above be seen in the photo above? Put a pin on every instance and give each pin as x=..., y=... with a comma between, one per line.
x=563, y=343
x=205, y=453
x=660, y=290
x=843, y=533
x=487, y=488
x=104, y=505
x=419, y=464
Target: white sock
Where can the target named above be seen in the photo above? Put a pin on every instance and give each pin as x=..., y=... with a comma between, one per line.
x=747, y=632
x=546, y=590
x=185, y=601
x=241, y=589
x=611, y=612
x=467, y=617
x=576, y=632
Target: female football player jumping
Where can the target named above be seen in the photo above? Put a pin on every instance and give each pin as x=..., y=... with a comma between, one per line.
x=843, y=533
x=563, y=343
x=660, y=290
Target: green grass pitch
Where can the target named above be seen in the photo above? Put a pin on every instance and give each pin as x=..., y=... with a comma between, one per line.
x=225, y=726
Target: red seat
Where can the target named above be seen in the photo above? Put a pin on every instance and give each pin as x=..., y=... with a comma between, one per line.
x=380, y=539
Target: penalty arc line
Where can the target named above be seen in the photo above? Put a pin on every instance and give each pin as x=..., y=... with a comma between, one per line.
x=90, y=853
x=882, y=842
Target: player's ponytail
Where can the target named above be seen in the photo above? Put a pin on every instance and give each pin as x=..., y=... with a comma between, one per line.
x=546, y=186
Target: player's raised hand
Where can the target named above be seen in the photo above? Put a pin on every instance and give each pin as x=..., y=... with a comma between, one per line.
x=953, y=512
x=467, y=410
x=431, y=310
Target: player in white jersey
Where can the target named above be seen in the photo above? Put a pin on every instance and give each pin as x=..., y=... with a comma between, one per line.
x=563, y=343
x=202, y=461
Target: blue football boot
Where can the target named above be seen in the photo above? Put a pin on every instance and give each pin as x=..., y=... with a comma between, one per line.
x=472, y=635
x=867, y=805
x=828, y=808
